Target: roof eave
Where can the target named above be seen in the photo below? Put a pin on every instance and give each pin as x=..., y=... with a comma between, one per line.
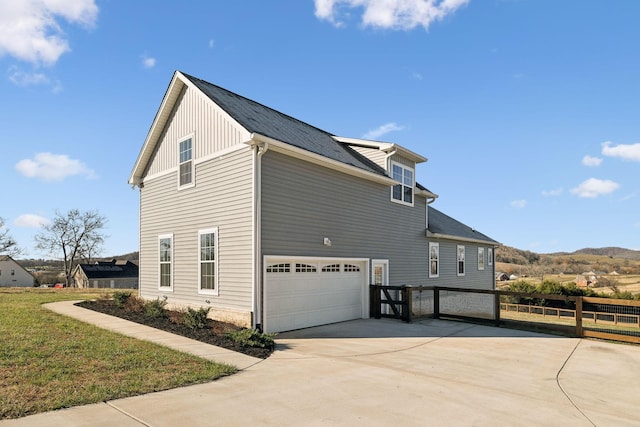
x=462, y=239
x=299, y=153
x=387, y=147
x=162, y=116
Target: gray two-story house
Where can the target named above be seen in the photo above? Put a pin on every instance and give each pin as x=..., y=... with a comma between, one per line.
x=276, y=224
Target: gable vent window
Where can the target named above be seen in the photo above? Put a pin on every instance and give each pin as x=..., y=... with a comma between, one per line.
x=305, y=268
x=403, y=191
x=186, y=162
x=279, y=268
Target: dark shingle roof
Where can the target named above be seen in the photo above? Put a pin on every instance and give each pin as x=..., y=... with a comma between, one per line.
x=109, y=270
x=266, y=121
x=440, y=223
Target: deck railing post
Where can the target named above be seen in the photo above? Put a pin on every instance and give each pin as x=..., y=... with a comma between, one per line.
x=579, y=317
x=408, y=298
x=374, y=304
x=496, y=307
x=436, y=303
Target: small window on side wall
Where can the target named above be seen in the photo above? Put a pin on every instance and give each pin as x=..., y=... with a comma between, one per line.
x=460, y=260
x=434, y=259
x=480, y=258
x=490, y=256
x=185, y=172
x=208, y=265
x=165, y=259
x=403, y=191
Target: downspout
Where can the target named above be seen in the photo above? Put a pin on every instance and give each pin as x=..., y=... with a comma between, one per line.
x=257, y=235
x=387, y=163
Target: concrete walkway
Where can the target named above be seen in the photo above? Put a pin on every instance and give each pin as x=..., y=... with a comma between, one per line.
x=385, y=372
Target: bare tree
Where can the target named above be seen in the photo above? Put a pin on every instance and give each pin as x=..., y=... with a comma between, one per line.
x=75, y=234
x=8, y=246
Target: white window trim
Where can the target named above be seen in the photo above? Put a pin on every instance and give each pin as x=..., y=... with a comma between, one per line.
x=216, y=285
x=437, y=246
x=193, y=162
x=464, y=260
x=480, y=258
x=164, y=288
x=489, y=256
x=413, y=183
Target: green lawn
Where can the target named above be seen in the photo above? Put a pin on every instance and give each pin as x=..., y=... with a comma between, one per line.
x=49, y=361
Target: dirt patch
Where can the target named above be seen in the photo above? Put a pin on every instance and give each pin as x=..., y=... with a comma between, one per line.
x=214, y=333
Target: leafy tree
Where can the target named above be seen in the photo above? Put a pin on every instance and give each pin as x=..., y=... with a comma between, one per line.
x=8, y=246
x=74, y=235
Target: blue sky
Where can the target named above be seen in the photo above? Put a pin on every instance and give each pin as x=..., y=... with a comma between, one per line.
x=528, y=110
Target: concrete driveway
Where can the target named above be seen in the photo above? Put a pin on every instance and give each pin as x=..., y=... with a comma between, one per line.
x=385, y=372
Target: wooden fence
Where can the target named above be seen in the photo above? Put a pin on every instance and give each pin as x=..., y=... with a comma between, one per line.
x=577, y=316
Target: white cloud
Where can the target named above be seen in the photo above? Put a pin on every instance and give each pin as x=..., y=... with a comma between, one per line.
x=389, y=14
x=31, y=31
x=31, y=221
x=212, y=43
x=148, y=62
x=591, y=161
x=554, y=192
x=594, y=187
x=518, y=204
x=382, y=130
x=52, y=167
x=416, y=76
x=624, y=151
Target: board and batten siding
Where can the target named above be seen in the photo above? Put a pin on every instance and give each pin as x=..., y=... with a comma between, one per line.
x=303, y=203
x=211, y=127
x=223, y=198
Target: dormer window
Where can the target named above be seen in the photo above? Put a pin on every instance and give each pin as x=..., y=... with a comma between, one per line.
x=403, y=191
x=186, y=163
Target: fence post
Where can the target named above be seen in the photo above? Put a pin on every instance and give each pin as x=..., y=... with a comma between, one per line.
x=408, y=295
x=496, y=307
x=436, y=303
x=374, y=303
x=579, y=317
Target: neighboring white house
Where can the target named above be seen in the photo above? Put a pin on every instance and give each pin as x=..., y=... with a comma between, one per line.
x=276, y=224
x=13, y=275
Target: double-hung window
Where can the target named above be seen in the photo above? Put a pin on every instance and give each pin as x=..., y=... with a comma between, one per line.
x=403, y=191
x=165, y=258
x=490, y=256
x=208, y=263
x=434, y=259
x=480, y=258
x=186, y=162
x=460, y=256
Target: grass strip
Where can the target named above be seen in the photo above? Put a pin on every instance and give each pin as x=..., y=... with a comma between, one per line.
x=49, y=361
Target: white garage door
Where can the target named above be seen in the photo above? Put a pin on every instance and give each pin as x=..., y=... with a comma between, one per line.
x=304, y=292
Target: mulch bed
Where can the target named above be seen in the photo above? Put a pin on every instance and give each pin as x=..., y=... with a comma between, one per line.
x=214, y=333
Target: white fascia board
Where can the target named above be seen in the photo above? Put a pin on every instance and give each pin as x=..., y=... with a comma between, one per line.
x=387, y=147
x=462, y=239
x=426, y=193
x=159, y=122
x=308, y=156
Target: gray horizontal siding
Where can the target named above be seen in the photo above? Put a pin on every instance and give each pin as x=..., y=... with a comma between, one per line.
x=222, y=197
x=302, y=203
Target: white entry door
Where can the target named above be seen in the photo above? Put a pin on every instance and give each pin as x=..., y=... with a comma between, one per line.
x=380, y=273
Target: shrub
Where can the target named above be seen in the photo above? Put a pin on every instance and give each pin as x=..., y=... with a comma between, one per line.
x=120, y=298
x=196, y=319
x=134, y=304
x=156, y=308
x=252, y=338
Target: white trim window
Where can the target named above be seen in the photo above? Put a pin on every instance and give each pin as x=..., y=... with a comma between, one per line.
x=490, y=256
x=480, y=258
x=185, y=169
x=208, y=261
x=165, y=262
x=402, y=192
x=434, y=259
x=460, y=269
